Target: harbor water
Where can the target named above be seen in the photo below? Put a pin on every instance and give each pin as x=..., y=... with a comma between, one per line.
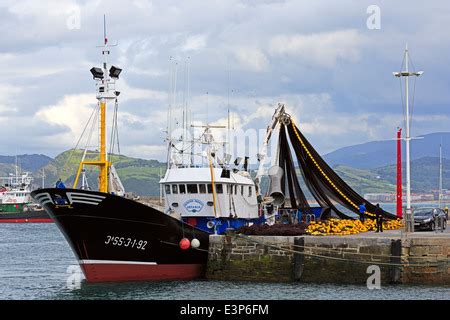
x=37, y=263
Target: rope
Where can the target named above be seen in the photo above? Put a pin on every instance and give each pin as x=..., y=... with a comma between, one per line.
x=334, y=258
x=79, y=139
x=114, y=132
x=412, y=103
x=349, y=252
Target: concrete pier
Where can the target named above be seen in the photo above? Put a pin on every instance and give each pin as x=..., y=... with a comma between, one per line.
x=417, y=258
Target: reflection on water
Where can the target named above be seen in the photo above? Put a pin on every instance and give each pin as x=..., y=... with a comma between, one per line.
x=34, y=262
x=198, y=290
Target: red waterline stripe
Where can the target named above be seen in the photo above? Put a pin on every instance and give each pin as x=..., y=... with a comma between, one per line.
x=114, y=272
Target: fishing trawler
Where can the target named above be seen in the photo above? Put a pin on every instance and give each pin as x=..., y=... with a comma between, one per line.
x=119, y=239
x=116, y=238
x=16, y=205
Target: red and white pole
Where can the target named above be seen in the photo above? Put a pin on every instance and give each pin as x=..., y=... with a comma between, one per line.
x=399, y=174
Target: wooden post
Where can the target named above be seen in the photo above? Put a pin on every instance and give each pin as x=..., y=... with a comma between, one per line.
x=299, y=258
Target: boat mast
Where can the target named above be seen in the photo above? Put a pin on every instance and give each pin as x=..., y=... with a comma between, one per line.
x=406, y=73
x=440, y=174
x=17, y=168
x=106, y=79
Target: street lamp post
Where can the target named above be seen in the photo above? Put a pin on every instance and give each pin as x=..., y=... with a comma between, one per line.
x=409, y=222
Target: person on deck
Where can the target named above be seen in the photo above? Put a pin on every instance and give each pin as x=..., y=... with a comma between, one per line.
x=362, y=209
x=60, y=184
x=379, y=218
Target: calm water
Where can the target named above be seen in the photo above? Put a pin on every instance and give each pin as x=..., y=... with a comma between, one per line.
x=34, y=260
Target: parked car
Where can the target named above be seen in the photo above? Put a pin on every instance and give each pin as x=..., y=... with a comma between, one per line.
x=427, y=218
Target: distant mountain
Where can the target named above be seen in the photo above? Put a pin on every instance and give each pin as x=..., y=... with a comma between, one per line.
x=6, y=169
x=138, y=175
x=27, y=162
x=424, y=174
x=377, y=154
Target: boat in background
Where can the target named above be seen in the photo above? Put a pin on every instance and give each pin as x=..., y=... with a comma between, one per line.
x=16, y=204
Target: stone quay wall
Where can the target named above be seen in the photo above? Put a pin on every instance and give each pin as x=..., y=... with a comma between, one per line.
x=330, y=259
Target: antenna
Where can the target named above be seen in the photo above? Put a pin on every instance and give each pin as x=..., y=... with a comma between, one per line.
x=104, y=30
x=228, y=138
x=169, y=109
x=189, y=114
x=207, y=108
x=17, y=166
x=440, y=173
x=43, y=178
x=228, y=107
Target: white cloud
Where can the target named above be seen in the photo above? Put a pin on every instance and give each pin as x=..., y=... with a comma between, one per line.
x=73, y=111
x=194, y=43
x=49, y=7
x=251, y=58
x=143, y=4
x=37, y=64
x=8, y=94
x=320, y=48
x=129, y=93
x=146, y=151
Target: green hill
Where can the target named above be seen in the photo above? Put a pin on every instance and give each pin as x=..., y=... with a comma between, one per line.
x=364, y=181
x=424, y=174
x=138, y=175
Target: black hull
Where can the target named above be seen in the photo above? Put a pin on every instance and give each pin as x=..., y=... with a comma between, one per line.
x=37, y=216
x=117, y=239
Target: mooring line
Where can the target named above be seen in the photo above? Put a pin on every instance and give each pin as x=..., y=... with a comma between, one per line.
x=336, y=258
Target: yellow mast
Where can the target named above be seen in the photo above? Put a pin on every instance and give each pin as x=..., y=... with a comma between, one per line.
x=105, y=91
x=102, y=162
x=213, y=183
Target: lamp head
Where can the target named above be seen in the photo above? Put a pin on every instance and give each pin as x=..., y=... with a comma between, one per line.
x=114, y=72
x=97, y=73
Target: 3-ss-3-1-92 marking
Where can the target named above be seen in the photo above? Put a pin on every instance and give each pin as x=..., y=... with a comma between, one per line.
x=126, y=242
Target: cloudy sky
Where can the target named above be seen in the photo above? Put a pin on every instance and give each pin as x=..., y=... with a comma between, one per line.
x=319, y=57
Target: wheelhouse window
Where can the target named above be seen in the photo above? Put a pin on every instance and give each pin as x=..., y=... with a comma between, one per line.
x=192, y=188
x=174, y=189
x=229, y=189
x=209, y=188
x=242, y=190
x=250, y=191
x=182, y=188
x=167, y=187
x=202, y=188
x=219, y=188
